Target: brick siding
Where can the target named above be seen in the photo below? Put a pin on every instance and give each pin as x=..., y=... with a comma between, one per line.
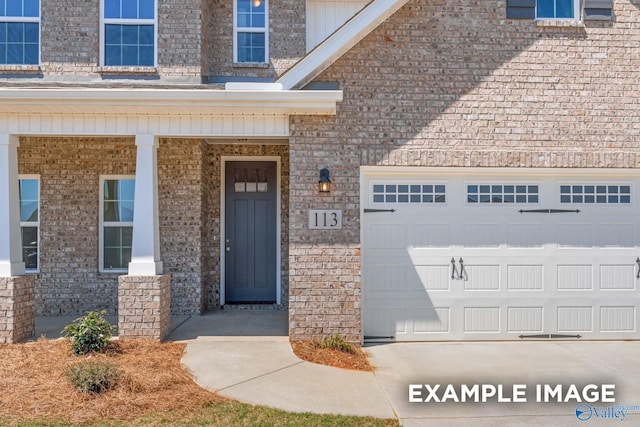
x=69, y=282
x=456, y=84
x=17, y=309
x=144, y=306
x=287, y=35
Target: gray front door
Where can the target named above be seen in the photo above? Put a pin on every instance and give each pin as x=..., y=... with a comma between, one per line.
x=250, y=232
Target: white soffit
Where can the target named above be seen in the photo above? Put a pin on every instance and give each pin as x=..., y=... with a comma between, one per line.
x=119, y=102
x=338, y=43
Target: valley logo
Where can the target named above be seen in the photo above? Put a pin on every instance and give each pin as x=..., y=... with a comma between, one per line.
x=586, y=412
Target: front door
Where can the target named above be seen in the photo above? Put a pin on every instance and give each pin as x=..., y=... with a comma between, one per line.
x=250, y=232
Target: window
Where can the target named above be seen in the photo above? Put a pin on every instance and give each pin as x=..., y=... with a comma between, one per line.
x=30, y=220
x=116, y=218
x=596, y=194
x=250, y=180
x=250, y=31
x=129, y=33
x=20, y=32
x=560, y=9
x=409, y=193
x=510, y=193
x=593, y=10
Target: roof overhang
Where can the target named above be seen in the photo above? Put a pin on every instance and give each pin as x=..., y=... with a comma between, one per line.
x=120, y=102
x=338, y=43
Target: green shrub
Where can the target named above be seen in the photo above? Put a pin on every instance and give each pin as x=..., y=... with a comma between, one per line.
x=90, y=333
x=335, y=342
x=93, y=376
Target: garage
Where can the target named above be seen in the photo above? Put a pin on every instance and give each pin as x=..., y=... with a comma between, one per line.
x=499, y=254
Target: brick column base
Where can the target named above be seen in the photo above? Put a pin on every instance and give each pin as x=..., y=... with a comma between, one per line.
x=144, y=306
x=17, y=309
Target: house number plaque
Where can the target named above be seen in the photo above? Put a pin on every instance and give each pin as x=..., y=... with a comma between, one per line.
x=325, y=219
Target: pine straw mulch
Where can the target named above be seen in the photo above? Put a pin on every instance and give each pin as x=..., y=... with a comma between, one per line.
x=309, y=351
x=34, y=385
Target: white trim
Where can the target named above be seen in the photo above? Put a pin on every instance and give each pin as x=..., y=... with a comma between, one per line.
x=10, y=243
x=162, y=102
x=104, y=21
x=102, y=223
x=145, y=247
x=498, y=172
x=338, y=43
x=31, y=223
x=264, y=30
x=223, y=161
x=26, y=19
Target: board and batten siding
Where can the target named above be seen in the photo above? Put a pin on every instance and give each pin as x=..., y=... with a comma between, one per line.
x=326, y=16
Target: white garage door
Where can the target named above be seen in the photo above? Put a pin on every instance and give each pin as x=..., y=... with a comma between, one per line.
x=499, y=255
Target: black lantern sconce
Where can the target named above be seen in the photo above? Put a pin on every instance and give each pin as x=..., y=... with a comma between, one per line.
x=324, y=184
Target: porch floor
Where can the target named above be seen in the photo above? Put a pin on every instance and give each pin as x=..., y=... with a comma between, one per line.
x=218, y=325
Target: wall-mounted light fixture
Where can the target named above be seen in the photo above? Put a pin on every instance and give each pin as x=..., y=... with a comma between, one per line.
x=257, y=3
x=324, y=184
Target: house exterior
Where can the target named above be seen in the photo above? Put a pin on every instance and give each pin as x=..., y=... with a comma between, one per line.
x=161, y=157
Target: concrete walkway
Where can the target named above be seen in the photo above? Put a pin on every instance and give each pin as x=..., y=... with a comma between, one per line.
x=246, y=355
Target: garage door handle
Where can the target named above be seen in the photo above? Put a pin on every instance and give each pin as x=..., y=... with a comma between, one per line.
x=463, y=273
x=638, y=263
x=454, y=271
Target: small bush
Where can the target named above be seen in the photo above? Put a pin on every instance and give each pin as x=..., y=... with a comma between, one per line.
x=90, y=333
x=93, y=376
x=335, y=342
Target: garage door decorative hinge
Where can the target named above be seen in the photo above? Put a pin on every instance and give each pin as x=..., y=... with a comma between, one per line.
x=378, y=210
x=550, y=336
x=549, y=211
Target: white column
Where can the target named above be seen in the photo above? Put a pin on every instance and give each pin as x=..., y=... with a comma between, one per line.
x=10, y=247
x=145, y=253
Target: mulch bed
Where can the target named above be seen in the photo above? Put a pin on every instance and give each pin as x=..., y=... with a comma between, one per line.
x=309, y=351
x=34, y=385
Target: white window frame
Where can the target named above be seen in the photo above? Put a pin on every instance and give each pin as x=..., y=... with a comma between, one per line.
x=576, y=12
x=32, y=223
x=237, y=30
x=409, y=203
x=104, y=224
x=632, y=203
x=27, y=20
x=117, y=21
x=514, y=183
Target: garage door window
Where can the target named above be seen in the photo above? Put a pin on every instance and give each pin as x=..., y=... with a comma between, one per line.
x=507, y=193
x=409, y=193
x=596, y=194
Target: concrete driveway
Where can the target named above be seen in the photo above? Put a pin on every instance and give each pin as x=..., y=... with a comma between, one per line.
x=525, y=364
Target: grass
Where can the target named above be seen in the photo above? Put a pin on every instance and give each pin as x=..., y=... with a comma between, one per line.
x=230, y=413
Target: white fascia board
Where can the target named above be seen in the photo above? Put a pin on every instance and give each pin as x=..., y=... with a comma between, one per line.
x=252, y=86
x=338, y=43
x=167, y=101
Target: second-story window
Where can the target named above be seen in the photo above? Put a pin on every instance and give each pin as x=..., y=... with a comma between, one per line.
x=128, y=34
x=250, y=31
x=556, y=9
x=20, y=32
